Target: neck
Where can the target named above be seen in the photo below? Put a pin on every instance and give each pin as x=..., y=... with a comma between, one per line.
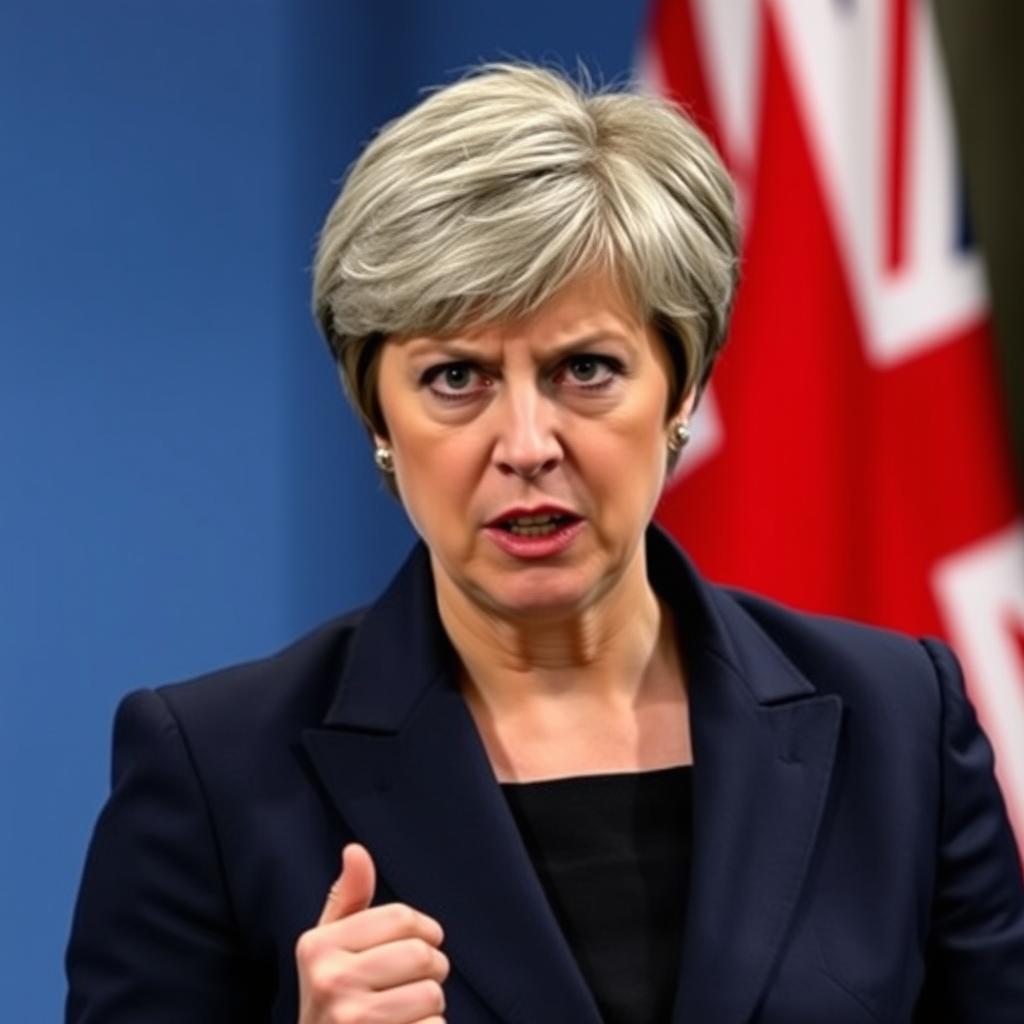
x=605, y=651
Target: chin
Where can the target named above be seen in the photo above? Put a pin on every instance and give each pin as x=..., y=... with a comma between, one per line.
x=539, y=593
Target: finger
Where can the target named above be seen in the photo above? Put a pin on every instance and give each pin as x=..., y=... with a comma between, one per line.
x=379, y=925
x=354, y=887
x=407, y=1004
x=399, y=963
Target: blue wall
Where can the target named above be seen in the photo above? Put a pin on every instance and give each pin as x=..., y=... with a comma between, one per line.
x=181, y=483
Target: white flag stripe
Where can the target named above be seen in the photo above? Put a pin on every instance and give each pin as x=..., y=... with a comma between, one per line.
x=981, y=593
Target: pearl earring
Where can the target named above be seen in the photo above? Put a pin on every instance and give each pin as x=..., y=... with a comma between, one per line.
x=678, y=436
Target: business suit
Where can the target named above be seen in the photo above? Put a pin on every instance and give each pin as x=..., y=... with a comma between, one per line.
x=849, y=842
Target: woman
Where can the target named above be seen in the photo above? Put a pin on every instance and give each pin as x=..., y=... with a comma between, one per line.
x=572, y=781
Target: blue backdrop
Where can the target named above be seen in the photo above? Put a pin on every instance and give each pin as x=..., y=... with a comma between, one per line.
x=182, y=485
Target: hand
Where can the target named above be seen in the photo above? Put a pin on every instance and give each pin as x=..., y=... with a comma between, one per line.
x=369, y=965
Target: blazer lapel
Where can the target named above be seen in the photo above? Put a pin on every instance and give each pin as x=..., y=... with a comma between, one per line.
x=400, y=757
x=764, y=743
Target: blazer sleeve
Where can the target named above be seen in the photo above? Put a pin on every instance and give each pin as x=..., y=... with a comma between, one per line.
x=975, y=972
x=154, y=939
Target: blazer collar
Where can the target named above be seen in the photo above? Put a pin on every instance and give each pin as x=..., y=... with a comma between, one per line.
x=399, y=651
x=764, y=744
x=401, y=758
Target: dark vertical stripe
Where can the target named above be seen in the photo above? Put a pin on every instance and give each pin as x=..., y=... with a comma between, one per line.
x=964, y=223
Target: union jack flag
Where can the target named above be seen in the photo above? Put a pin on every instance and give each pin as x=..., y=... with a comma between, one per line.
x=851, y=455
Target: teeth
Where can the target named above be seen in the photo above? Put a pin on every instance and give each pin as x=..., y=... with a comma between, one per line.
x=532, y=531
x=534, y=526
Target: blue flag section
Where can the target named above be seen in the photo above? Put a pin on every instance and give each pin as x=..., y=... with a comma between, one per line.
x=182, y=485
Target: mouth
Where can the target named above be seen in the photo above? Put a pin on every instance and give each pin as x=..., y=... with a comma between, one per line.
x=538, y=533
x=541, y=525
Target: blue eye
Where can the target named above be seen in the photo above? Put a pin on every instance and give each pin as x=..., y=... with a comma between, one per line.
x=456, y=377
x=584, y=368
x=454, y=380
x=589, y=372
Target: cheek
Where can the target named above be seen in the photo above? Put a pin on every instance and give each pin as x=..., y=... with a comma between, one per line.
x=634, y=450
x=436, y=478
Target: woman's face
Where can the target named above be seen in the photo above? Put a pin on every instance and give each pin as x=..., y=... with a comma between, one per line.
x=560, y=416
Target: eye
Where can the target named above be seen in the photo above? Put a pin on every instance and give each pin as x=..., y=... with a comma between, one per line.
x=589, y=372
x=454, y=381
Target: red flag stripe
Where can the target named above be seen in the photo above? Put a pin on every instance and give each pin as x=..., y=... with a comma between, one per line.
x=899, y=43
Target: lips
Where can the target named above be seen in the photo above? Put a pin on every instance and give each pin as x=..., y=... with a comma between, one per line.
x=535, y=533
x=542, y=518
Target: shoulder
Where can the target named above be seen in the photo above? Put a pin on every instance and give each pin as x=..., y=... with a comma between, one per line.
x=799, y=630
x=285, y=692
x=768, y=642
x=859, y=662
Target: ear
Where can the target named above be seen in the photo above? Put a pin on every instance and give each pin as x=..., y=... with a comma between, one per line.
x=686, y=406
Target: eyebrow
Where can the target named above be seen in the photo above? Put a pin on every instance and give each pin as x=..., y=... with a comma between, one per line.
x=466, y=351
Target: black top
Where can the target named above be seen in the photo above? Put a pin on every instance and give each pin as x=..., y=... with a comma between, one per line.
x=613, y=855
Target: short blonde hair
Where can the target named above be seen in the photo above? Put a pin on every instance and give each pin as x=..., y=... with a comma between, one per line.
x=492, y=193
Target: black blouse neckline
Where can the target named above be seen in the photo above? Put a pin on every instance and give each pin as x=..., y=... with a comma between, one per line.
x=612, y=853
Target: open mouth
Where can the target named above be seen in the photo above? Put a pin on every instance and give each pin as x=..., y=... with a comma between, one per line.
x=535, y=526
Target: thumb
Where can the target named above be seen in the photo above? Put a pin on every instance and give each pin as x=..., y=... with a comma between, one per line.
x=354, y=887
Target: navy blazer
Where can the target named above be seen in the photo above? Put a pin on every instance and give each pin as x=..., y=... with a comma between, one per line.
x=852, y=861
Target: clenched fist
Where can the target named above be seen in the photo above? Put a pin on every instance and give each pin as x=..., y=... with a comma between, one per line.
x=369, y=965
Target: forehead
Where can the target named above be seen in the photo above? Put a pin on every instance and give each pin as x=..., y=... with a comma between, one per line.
x=589, y=308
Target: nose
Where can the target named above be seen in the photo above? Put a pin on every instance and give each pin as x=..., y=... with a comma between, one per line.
x=527, y=444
